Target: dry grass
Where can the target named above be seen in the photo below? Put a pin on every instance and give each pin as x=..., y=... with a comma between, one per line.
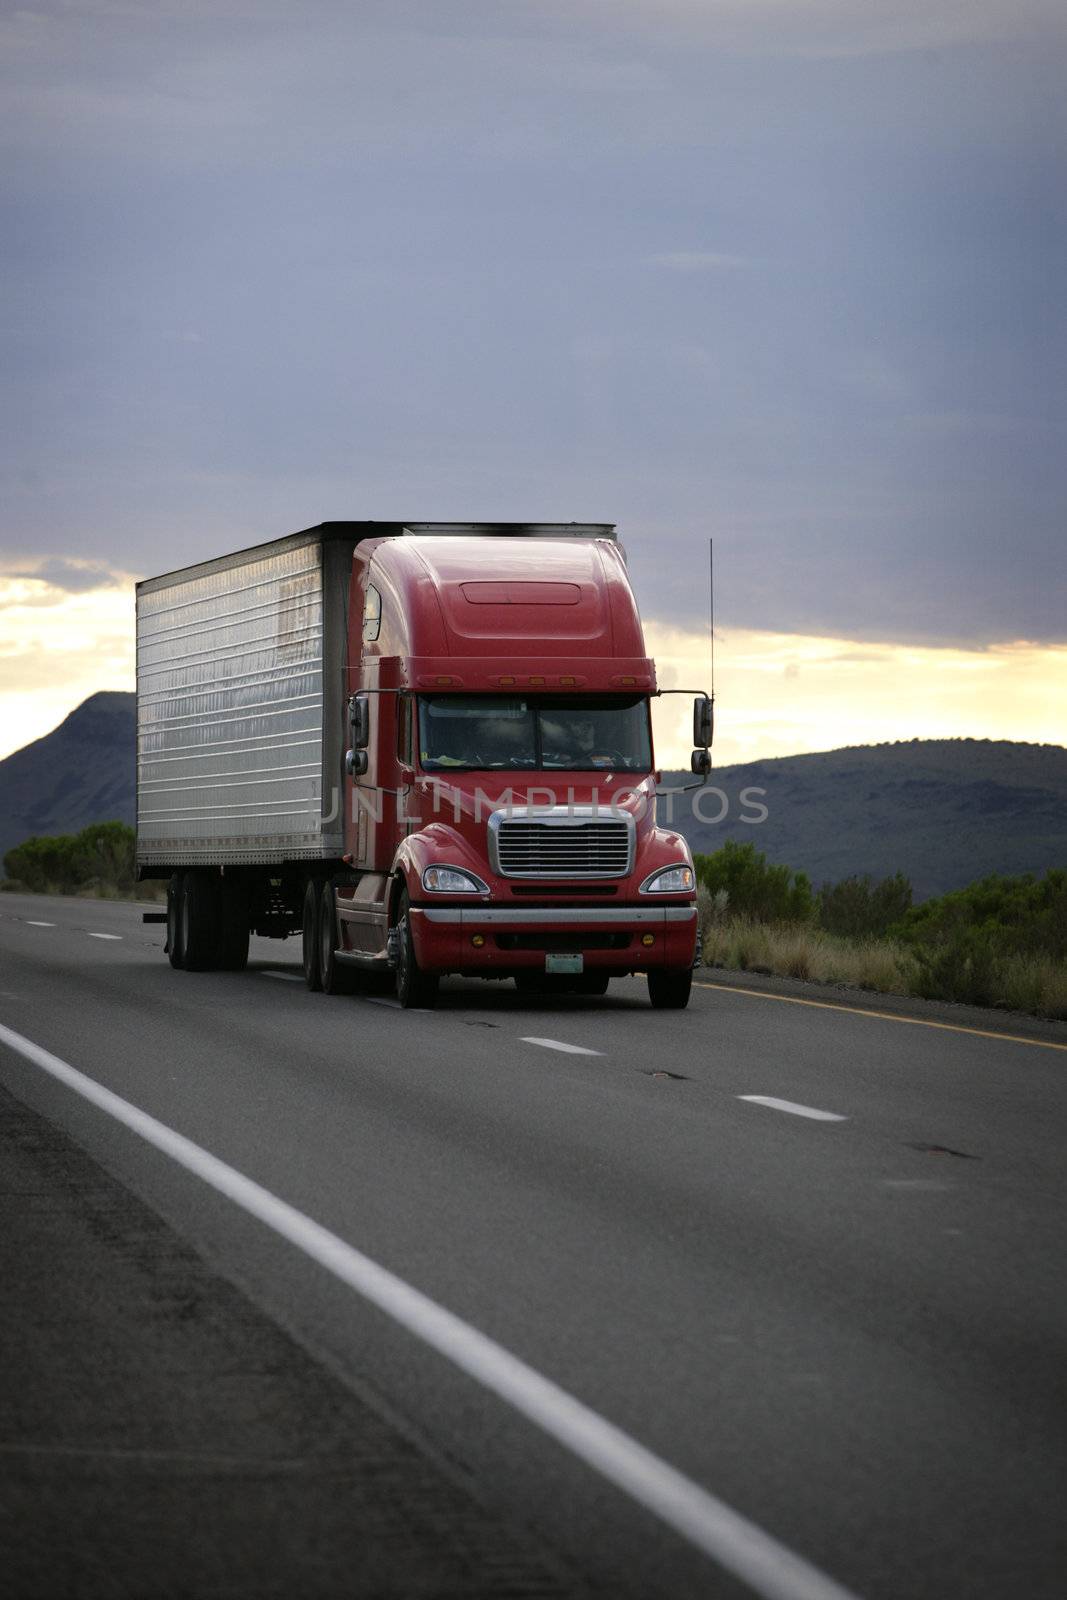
x=1019, y=983
x=805, y=952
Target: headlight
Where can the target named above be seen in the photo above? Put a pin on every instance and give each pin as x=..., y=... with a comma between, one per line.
x=452, y=880
x=670, y=880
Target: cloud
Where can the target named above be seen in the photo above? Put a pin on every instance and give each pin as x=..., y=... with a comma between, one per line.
x=697, y=260
x=38, y=577
x=837, y=29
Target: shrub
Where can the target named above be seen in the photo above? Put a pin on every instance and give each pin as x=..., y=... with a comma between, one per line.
x=753, y=886
x=1020, y=916
x=856, y=908
x=100, y=858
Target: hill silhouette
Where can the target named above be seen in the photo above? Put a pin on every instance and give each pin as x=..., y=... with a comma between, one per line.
x=81, y=772
x=942, y=811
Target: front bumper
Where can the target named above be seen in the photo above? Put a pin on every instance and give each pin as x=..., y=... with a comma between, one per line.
x=517, y=938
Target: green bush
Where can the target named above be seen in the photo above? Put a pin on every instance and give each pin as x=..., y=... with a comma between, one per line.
x=964, y=968
x=101, y=856
x=1017, y=916
x=857, y=908
x=755, y=888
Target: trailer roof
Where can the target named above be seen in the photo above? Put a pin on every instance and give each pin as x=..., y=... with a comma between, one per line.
x=354, y=532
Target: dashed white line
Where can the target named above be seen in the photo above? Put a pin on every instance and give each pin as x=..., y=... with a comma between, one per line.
x=289, y=977
x=792, y=1107
x=739, y=1546
x=31, y=924
x=558, y=1044
x=105, y=936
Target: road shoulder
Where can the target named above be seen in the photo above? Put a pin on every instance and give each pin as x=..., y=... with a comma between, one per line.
x=1020, y=1024
x=160, y=1435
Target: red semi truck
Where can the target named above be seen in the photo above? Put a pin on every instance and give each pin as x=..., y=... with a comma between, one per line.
x=425, y=747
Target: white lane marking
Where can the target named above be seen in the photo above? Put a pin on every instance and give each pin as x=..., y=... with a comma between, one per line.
x=31, y=924
x=769, y=1568
x=383, y=1000
x=105, y=936
x=792, y=1107
x=289, y=977
x=558, y=1044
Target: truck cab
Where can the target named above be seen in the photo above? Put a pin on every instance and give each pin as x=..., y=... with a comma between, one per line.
x=499, y=777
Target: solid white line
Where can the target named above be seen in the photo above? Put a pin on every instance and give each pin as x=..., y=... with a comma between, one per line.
x=31, y=924
x=105, y=936
x=792, y=1107
x=289, y=977
x=769, y=1568
x=558, y=1044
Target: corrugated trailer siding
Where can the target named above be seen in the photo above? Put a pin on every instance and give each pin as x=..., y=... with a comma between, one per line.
x=230, y=712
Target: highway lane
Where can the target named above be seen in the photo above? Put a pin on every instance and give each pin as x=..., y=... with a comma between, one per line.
x=849, y=1334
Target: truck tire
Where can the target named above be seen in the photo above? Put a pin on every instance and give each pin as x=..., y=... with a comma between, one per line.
x=233, y=926
x=175, y=947
x=311, y=944
x=199, y=919
x=669, y=991
x=413, y=986
x=334, y=976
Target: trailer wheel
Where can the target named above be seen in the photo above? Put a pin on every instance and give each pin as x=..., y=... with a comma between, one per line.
x=199, y=919
x=334, y=976
x=669, y=991
x=232, y=955
x=175, y=946
x=311, y=945
x=413, y=986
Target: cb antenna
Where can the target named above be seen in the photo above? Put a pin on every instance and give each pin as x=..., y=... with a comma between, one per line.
x=711, y=612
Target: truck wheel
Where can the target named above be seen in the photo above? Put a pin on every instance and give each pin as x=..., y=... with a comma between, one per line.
x=669, y=991
x=334, y=976
x=199, y=919
x=233, y=926
x=175, y=948
x=312, y=974
x=413, y=986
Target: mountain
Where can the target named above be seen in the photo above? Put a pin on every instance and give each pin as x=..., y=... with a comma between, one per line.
x=942, y=811
x=81, y=772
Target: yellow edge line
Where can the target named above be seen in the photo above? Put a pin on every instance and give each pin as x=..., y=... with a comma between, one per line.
x=884, y=1016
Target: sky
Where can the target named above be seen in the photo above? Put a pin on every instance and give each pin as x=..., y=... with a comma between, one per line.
x=785, y=273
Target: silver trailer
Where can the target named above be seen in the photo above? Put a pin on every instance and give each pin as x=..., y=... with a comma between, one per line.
x=239, y=716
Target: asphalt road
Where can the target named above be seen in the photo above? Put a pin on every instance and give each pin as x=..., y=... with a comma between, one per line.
x=848, y=1327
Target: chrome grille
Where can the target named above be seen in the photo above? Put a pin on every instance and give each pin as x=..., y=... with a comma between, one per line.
x=561, y=847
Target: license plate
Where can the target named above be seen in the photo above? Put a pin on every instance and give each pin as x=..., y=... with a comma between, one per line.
x=560, y=963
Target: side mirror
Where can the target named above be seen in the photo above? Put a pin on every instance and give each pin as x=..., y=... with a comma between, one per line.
x=359, y=718
x=700, y=763
x=703, y=721
x=356, y=763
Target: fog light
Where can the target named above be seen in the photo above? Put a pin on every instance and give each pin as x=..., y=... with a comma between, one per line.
x=648, y=938
x=477, y=940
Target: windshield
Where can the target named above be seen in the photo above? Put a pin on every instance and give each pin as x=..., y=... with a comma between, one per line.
x=561, y=733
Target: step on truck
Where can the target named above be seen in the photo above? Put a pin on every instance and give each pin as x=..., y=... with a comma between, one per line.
x=426, y=748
